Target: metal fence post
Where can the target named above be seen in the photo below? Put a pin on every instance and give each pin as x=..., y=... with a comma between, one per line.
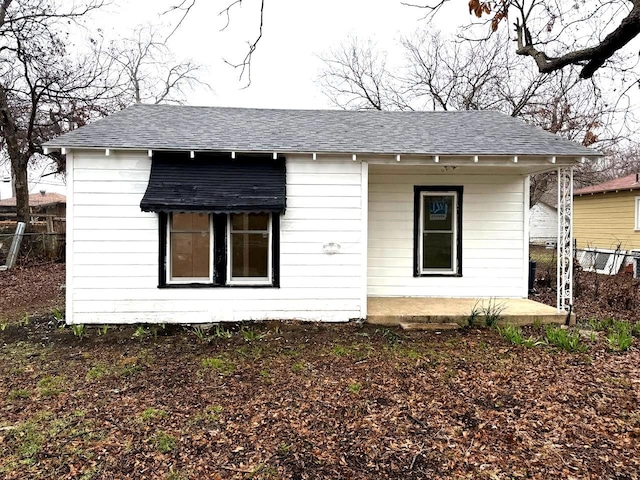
x=15, y=246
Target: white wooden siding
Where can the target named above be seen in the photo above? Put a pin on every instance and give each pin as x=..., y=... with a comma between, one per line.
x=113, y=248
x=543, y=223
x=492, y=234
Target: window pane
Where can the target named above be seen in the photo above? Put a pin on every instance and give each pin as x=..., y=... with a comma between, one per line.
x=189, y=222
x=250, y=221
x=437, y=251
x=250, y=255
x=438, y=212
x=190, y=245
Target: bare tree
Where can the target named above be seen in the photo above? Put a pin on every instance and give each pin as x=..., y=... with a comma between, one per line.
x=147, y=71
x=356, y=77
x=440, y=73
x=244, y=65
x=552, y=32
x=44, y=90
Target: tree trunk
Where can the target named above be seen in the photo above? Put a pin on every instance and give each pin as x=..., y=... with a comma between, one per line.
x=21, y=186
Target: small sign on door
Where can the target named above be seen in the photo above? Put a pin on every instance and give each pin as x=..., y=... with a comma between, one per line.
x=438, y=210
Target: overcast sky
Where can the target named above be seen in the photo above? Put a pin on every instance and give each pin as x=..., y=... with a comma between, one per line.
x=286, y=66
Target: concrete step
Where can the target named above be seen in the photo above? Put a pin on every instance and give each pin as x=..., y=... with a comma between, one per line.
x=432, y=327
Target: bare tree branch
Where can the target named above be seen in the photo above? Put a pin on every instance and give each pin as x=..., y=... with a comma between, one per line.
x=551, y=48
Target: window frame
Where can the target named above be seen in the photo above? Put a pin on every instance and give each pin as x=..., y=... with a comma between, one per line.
x=420, y=192
x=637, y=202
x=190, y=280
x=220, y=257
x=249, y=280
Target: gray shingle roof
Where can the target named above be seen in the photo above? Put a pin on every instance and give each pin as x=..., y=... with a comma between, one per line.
x=171, y=127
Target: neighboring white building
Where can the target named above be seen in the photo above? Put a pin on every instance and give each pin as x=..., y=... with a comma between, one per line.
x=543, y=223
x=203, y=214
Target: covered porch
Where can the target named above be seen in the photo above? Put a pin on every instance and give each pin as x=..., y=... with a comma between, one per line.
x=450, y=313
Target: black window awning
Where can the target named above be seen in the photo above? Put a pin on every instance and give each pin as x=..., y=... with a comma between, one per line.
x=215, y=183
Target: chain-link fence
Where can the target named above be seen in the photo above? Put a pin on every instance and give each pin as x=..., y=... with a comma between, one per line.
x=606, y=282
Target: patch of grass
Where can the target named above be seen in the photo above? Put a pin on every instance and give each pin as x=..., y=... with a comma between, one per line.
x=103, y=330
x=392, y=338
x=513, y=334
x=141, y=332
x=220, y=332
x=57, y=314
x=619, y=334
x=355, y=387
x=298, y=367
x=164, y=442
x=620, y=340
x=472, y=319
x=359, y=351
x=30, y=441
x=284, y=449
x=492, y=312
x=266, y=375
x=340, y=350
x=564, y=339
x=151, y=414
x=18, y=393
x=96, y=372
x=50, y=386
x=250, y=334
x=222, y=365
x=209, y=415
x=79, y=330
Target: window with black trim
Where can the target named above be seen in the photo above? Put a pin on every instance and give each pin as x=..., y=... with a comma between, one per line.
x=219, y=250
x=190, y=248
x=250, y=248
x=438, y=230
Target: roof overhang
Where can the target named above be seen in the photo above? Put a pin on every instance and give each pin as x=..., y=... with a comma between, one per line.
x=523, y=163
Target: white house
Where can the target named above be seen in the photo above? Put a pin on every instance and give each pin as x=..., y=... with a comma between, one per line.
x=543, y=223
x=202, y=214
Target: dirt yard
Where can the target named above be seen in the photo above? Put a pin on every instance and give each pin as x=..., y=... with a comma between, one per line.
x=304, y=401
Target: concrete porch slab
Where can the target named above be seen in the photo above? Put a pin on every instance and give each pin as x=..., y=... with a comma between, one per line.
x=393, y=311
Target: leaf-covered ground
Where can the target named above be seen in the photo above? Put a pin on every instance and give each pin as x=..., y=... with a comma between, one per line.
x=31, y=289
x=308, y=401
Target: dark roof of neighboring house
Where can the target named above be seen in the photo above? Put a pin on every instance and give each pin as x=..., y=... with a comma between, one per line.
x=36, y=200
x=176, y=127
x=630, y=182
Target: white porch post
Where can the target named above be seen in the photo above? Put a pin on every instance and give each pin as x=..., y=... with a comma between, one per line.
x=364, y=237
x=565, y=239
